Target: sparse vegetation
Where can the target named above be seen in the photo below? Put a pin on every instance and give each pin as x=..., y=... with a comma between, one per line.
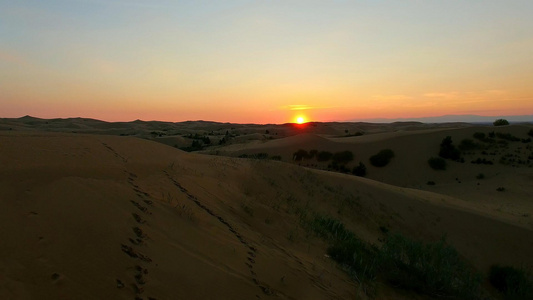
x=507, y=137
x=468, y=145
x=359, y=170
x=437, y=163
x=500, y=122
x=448, y=150
x=482, y=161
x=434, y=269
x=511, y=282
x=300, y=155
x=324, y=156
x=382, y=158
x=479, y=135
x=342, y=157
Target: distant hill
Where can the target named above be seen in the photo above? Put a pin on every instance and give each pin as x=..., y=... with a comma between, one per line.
x=453, y=118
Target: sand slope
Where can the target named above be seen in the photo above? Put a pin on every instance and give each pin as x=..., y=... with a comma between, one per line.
x=95, y=217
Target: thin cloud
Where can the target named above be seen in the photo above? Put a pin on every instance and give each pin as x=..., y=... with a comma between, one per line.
x=392, y=97
x=304, y=107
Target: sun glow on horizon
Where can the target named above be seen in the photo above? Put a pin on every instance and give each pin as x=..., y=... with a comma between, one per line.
x=300, y=120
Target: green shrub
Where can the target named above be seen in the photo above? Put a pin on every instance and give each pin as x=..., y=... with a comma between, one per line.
x=433, y=268
x=500, y=122
x=382, y=158
x=513, y=283
x=359, y=170
x=437, y=163
x=324, y=156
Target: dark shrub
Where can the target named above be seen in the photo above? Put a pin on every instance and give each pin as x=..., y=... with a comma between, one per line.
x=324, y=156
x=382, y=158
x=530, y=132
x=479, y=135
x=448, y=150
x=430, y=182
x=480, y=176
x=501, y=122
x=300, y=155
x=482, y=161
x=261, y=155
x=508, y=137
x=468, y=144
x=342, y=157
x=513, y=283
x=276, y=157
x=359, y=170
x=437, y=163
x=312, y=153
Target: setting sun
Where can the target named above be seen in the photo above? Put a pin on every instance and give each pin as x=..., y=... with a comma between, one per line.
x=300, y=120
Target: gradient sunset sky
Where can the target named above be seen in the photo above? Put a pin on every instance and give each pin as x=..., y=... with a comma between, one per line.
x=265, y=61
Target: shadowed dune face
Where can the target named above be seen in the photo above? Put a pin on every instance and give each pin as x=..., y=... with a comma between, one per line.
x=88, y=216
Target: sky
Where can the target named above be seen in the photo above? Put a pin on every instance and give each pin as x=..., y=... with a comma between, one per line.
x=265, y=61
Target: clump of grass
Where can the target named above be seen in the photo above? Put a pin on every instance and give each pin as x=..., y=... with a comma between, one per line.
x=437, y=163
x=382, y=158
x=513, y=283
x=354, y=255
x=430, y=268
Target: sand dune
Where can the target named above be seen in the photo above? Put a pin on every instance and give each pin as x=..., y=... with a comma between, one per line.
x=92, y=217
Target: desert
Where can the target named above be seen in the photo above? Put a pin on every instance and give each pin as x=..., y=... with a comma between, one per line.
x=303, y=150
x=98, y=214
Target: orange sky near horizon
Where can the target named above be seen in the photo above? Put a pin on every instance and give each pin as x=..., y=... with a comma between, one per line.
x=258, y=62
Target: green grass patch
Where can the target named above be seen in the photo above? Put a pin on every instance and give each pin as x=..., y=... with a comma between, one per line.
x=433, y=269
x=430, y=268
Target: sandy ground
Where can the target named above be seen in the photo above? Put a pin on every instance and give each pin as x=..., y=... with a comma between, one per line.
x=111, y=217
